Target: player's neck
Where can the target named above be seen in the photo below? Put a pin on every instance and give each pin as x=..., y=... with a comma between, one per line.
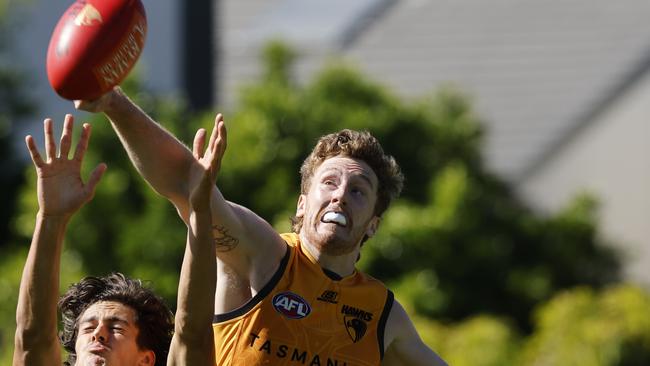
x=342, y=265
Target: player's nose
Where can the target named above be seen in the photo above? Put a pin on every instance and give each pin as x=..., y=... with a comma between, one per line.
x=100, y=333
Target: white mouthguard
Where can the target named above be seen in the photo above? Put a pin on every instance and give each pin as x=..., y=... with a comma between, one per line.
x=335, y=217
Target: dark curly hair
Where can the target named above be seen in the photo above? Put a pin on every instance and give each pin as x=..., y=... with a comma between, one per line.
x=154, y=320
x=357, y=145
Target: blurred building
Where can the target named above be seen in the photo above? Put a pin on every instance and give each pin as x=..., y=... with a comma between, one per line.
x=563, y=87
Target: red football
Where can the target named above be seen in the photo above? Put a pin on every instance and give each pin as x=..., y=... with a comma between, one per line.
x=94, y=46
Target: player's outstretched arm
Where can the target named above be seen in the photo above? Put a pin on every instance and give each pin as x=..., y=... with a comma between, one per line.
x=61, y=193
x=404, y=345
x=193, y=342
x=158, y=156
x=170, y=168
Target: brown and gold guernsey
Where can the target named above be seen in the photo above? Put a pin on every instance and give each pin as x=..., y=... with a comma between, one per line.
x=305, y=316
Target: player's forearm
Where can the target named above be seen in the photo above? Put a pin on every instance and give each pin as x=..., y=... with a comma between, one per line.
x=23, y=357
x=181, y=353
x=197, y=283
x=36, y=311
x=193, y=342
x=158, y=156
x=195, y=295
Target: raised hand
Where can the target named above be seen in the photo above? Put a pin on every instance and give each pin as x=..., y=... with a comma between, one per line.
x=98, y=105
x=209, y=161
x=60, y=189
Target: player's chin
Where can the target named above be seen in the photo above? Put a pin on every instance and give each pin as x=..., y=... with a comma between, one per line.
x=92, y=359
x=332, y=233
x=338, y=244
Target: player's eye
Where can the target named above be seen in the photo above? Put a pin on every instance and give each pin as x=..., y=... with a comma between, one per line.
x=87, y=328
x=360, y=191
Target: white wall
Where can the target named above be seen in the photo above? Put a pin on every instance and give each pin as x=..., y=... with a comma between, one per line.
x=610, y=158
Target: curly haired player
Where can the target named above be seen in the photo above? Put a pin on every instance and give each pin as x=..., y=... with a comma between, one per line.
x=110, y=320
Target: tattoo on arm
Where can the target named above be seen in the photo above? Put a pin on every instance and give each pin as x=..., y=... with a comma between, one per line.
x=223, y=241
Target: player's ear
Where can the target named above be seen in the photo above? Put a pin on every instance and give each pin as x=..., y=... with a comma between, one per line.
x=147, y=358
x=373, y=226
x=300, y=208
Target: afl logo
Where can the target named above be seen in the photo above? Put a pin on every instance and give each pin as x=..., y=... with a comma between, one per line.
x=88, y=16
x=291, y=305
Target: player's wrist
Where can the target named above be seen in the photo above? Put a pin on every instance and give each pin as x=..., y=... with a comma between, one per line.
x=118, y=106
x=54, y=217
x=111, y=102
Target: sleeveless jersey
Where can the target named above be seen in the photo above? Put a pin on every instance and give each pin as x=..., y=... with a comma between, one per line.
x=305, y=316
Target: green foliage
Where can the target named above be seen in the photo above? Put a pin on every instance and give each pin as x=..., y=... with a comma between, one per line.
x=478, y=243
x=278, y=61
x=478, y=341
x=11, y=265
x=576, y=327
x=583, y=327
x=14, y=104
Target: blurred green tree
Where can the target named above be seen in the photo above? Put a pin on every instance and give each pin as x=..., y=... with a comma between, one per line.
x=587, y=327
x=14, y=104
x=577, y=327
x=477, y=341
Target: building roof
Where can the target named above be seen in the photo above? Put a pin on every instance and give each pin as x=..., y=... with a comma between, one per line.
x=536, y=70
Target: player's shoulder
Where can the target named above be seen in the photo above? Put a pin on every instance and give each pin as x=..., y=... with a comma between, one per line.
x=398, y=312
x=403, y=343
x=398, y=324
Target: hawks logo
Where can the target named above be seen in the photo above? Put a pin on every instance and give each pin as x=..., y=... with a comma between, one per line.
x=355, y=321
x=356, y=328
x=291, y=305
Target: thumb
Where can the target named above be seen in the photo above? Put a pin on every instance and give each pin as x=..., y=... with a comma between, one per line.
x=94, y=179
x=86, y=105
